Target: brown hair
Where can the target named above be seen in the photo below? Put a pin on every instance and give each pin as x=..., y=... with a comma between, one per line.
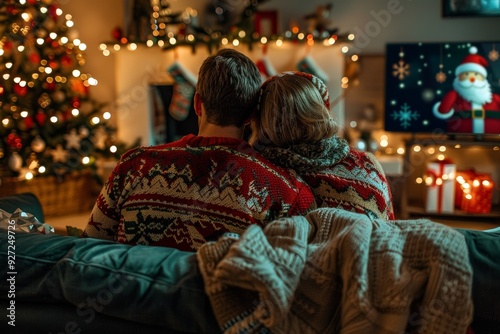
x=292, y=110
x=228, y=85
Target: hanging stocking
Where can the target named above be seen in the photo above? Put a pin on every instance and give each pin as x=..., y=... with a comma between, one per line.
x=184, y=88
x=308, y=65
x=265, y=67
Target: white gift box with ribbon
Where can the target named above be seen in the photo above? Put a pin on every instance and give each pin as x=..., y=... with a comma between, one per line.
x=440, y=182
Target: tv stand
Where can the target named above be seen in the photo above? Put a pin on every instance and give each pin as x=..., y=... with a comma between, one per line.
x=477, y=149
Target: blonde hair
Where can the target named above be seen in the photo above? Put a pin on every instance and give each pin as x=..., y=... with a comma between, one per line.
x=292, y=111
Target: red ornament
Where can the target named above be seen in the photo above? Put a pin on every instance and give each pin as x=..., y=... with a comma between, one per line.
x=75, y=102
x=11, y=9
x=20, y=90
x=66, y=115
x=14, y=141
x=53, y=64
x=32, y=2
x=66, y=61
x=28, y=121
x=78, y=87
x=117, y=33
x=7, y=46
x=40, y=117
x=50, y=86
x=34, y=58
x=53, y=12
x=1, y=90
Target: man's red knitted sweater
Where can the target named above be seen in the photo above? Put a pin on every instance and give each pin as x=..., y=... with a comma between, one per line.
x=185, y=193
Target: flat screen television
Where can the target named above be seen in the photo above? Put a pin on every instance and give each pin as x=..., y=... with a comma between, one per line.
x=444, y=88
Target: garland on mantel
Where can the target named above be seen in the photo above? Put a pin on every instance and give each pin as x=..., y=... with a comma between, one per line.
x=169, y=30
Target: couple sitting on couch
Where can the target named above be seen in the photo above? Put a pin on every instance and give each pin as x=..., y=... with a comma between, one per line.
x=185, y=193
x=312, y=247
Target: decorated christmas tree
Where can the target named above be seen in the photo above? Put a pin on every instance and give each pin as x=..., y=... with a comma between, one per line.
x=49, y=123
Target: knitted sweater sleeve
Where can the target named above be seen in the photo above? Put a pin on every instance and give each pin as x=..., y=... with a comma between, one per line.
x=389, y=210
x=105, y=216
x=304, y=201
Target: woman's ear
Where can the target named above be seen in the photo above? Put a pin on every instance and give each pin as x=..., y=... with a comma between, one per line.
x=197, y=104
x=251, y=117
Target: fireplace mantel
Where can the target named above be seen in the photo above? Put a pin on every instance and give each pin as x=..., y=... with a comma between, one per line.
x=137, y=70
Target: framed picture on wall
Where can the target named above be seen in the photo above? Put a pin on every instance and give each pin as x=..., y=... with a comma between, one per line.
x=137, y=16
x=471, y=8
x=266, y=22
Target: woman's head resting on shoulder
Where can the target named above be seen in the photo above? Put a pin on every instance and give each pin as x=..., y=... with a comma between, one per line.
x=294, y=108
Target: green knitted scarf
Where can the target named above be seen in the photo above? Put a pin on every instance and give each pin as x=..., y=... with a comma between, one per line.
x=307, y=157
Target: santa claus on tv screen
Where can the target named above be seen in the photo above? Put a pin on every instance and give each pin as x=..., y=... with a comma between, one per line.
x=449, y=88
x=470, y=107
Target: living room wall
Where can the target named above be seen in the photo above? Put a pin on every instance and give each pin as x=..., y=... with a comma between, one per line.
x=413, y=21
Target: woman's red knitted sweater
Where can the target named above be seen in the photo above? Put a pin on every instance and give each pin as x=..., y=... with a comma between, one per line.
x=185, y=193
x=339, y=175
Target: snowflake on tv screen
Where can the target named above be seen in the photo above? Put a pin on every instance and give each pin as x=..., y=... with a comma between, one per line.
x=401, y=70
x=405, y=116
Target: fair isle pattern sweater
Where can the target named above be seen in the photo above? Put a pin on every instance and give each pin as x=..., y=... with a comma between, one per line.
x=185, y=193
x=339, y=175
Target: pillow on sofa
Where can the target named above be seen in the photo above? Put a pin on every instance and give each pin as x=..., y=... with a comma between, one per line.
x=152, y=285
x=484, y=249
x=27, y=202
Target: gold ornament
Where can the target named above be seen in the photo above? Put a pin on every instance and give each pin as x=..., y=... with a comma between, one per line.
x=59, y=154
x=441, y=77
x=38, y=144
x=32, y=162
x=493, y=55
x=15, y=162
x=72, y=140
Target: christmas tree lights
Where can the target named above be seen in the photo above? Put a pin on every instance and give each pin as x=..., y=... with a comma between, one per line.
x=49, y=123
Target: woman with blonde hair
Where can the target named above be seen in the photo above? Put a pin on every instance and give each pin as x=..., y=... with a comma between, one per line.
x=294, y=128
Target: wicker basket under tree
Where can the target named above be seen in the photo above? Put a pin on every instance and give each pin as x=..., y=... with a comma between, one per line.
x=74, y=193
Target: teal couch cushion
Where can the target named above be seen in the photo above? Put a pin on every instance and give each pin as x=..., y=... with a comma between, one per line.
x=27, y=202
x=484, y=252
x=150, y=285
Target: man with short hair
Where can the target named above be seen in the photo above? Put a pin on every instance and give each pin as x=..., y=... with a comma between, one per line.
x=185, y=193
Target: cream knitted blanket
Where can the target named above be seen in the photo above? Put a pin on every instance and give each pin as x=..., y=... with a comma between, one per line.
x=335, y=271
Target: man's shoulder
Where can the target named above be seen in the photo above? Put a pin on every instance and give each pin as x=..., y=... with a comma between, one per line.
x=148, y=152
x=287, y=175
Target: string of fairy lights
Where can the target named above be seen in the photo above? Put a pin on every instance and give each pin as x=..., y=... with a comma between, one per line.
x=183, y=32
x=172, y=40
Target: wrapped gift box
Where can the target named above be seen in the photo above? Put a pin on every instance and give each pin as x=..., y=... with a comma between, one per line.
x=474, y=191
x=440, y=182
x=462, y=177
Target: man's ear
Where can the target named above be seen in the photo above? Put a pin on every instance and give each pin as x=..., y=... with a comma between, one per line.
x=197, y=104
